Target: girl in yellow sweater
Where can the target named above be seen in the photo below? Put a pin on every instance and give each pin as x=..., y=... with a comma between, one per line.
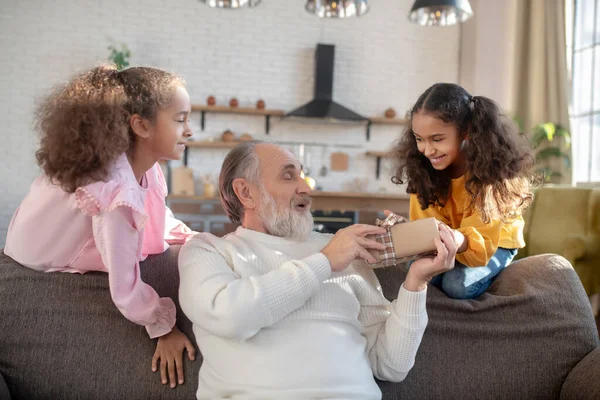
x=463, y=165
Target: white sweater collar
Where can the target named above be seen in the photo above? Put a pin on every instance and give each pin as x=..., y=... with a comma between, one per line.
x=265, y=237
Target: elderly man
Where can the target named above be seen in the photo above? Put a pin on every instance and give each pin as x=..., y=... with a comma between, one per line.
x=282, y=312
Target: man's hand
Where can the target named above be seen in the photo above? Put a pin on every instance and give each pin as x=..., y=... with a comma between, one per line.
x=169, y=350
x=350, y=243
x=422, y=270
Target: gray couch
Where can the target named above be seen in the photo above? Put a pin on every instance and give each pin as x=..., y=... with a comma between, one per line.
x=532, y=336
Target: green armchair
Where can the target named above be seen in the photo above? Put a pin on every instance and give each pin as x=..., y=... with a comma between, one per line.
x=566, y=220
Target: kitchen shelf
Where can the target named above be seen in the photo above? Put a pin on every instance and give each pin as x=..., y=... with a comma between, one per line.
x=388, y=121
x=314, y=193
x=217, y=144
x=267, y=113
x=383, y=121
x=383, y=154
x=379, y=155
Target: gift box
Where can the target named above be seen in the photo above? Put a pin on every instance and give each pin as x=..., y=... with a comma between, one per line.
x=405, y=240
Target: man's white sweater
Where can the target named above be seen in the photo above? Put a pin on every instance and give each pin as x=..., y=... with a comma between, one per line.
x=273, y=322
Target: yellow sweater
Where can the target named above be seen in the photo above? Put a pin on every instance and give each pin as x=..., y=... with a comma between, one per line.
x=483, y=239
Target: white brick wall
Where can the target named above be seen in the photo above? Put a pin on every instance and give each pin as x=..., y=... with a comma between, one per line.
x=381, y=60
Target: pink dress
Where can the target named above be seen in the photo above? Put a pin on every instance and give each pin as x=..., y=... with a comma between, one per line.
x=105, y=226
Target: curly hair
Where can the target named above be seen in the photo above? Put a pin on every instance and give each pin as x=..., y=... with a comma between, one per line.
x=84, y=124
x=498, y=160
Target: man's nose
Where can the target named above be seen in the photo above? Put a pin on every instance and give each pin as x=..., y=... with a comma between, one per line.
x=303, y=187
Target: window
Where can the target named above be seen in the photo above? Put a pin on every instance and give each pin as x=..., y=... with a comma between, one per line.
x=585, y=99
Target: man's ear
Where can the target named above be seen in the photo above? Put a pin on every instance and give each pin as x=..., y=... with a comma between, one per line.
x=243, y=191
x=140, y=126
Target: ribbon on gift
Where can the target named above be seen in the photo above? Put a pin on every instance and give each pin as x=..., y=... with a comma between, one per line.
x=387, y=257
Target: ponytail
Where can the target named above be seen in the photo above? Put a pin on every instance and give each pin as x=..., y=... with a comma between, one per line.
x=499, y=167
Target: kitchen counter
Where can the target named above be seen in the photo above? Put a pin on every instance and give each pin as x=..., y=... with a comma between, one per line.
x=360, y=201
x=323, y=200
x=207, y=214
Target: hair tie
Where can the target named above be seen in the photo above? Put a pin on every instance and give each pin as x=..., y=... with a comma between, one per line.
x=472, y=103
x=118, y=76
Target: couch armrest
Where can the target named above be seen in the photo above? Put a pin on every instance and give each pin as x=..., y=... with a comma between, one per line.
x=4, y=393
x=583, y=382
x=576, y=247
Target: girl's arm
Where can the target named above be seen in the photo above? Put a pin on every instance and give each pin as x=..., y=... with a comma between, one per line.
x=481, y=240
x=118, y=242
x=431, y=212
x=176, y=232
x=476, y=241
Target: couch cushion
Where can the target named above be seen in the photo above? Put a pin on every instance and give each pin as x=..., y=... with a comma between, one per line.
x=557, y=213
x=519, y=340
x=61, y=336
x=4, y=393
x=583, y=383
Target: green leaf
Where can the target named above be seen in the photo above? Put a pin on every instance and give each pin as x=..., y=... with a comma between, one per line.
x=547, y=133
x=538, y=137
x=519, y=121
x=545, y=172
x=562, y=132
x=548, y=174
x=551, y=152
x=120, y=57
x=550, y=129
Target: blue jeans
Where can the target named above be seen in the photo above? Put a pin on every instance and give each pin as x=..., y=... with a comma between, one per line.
x=464, y=282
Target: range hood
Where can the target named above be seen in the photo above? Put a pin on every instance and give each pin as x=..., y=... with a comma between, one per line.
x=323, y=106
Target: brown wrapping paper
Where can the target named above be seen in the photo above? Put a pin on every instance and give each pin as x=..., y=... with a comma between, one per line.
x=412, y=240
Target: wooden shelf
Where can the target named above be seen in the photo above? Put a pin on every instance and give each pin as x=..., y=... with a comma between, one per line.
x=383, y=121
x=383, y=154
x=267, y=113
x=315, y=193
x=217, y=144
x=388, y=121
x=379, y=155
x=190, y=197
x=238, y=110
x=375, y=195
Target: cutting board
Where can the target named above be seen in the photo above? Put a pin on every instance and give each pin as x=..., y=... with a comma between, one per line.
x=182, y=181
x=339, y=161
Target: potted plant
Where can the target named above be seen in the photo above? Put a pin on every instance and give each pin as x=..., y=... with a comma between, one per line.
x=119, y=55
x=548, y=141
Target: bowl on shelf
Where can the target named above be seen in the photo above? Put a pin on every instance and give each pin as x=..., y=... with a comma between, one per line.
x=228, y=136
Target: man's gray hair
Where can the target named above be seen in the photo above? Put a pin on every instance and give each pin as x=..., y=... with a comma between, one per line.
x=240, y=162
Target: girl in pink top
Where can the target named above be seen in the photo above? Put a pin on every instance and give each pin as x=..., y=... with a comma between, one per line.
x=100, y=206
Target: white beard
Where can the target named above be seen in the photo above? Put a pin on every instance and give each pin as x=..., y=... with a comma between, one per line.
x=285, y=221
